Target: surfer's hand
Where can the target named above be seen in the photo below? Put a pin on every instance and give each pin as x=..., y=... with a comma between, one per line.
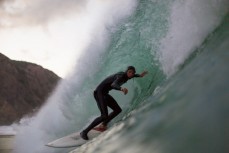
x=143, y=73
x=124, y=90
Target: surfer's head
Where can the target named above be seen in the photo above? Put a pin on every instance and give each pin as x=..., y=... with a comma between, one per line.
x=130, y=71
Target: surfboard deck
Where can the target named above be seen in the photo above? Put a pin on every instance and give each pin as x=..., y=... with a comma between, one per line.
x=72, y=140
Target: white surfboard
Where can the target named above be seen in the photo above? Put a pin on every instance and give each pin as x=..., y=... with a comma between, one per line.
x=72, y=140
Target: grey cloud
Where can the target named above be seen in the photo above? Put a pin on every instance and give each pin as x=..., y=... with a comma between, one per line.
x=26, y=12
x=2, y=2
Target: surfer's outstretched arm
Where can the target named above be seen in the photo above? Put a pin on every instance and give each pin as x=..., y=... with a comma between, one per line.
x=143, y=73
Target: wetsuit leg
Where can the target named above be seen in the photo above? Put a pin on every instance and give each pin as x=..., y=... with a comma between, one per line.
x=100, y=99
x=114, y=106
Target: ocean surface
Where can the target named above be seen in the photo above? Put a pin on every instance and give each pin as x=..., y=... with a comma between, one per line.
x=181, y=106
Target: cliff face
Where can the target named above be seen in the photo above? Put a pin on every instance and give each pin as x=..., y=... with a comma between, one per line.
x=24, y=87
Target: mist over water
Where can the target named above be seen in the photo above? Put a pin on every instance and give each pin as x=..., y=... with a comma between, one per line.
x=154, y=35
x=65, y=111
x=190, y=22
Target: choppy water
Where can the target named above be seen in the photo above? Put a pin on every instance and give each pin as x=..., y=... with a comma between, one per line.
x=180, y=106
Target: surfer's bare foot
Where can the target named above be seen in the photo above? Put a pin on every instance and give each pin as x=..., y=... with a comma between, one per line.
x=83, y=135
x=101, y=128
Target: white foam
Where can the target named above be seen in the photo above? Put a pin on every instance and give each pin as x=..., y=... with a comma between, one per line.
x=190, y=23
x=7, y=130
x=65, y=109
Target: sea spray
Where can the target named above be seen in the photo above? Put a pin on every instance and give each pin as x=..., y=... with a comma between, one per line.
x=190, y=23
x=65, y=110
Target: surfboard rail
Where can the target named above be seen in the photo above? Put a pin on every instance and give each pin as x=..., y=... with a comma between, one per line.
x=72, y=140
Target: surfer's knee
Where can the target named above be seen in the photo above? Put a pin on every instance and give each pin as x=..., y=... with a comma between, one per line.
x=104, y=117
x=118, y=111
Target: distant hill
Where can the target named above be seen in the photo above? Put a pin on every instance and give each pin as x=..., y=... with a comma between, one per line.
x=24, y=87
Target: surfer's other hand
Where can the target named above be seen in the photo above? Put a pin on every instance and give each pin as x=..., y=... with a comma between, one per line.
x=124, y=90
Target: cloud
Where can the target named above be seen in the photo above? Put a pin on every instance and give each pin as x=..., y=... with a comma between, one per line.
x=3, y=1
x=45, y=31
x=26, y=12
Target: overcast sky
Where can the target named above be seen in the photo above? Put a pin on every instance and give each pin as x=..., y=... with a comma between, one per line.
x=54, y=33
x=51, y=33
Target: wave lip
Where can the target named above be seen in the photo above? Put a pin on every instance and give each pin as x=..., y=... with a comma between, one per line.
x=190, y=22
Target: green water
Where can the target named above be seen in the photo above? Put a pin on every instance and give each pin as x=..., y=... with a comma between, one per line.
x=188, y=113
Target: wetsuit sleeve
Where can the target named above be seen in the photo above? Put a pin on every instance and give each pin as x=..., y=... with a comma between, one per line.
x=137, y=75
x=115, y=84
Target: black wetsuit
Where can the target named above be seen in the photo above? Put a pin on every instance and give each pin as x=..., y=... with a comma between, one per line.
x=104, y=100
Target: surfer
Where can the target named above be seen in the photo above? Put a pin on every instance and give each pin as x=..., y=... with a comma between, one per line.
x=104, y=100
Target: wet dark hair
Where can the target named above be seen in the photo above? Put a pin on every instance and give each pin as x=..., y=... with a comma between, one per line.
x=131, y=68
